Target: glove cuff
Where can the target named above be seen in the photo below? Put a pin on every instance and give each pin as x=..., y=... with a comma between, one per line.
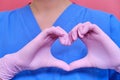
x=8, y=67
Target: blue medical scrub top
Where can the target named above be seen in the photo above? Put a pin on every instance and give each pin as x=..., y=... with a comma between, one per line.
x=18, y=27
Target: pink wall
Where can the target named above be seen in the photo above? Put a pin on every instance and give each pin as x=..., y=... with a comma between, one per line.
x=111, y=6
x=12, y=4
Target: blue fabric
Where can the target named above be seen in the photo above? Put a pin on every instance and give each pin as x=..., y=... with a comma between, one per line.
x=18, y=27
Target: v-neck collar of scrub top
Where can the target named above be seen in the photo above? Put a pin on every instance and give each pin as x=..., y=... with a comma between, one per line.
x=63, y=20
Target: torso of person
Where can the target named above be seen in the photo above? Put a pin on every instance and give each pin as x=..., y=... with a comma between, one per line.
x=18, y=27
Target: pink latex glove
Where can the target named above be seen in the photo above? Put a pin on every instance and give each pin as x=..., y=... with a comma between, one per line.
x=36, y=54
x=102, y=51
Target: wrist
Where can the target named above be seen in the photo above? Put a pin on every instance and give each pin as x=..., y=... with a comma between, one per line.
x=8, y=67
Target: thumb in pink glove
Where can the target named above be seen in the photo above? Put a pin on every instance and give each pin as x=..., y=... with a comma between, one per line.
x=36, y=54
x=102, y=51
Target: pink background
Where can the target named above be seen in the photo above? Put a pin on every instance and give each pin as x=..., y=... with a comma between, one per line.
x=111, y=6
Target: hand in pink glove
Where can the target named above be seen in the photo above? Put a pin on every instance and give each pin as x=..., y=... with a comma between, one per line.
x=102, y=51
x=36, y=54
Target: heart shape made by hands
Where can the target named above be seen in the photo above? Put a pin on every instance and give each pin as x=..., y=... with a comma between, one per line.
x=38, y=51
x=37, y=54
